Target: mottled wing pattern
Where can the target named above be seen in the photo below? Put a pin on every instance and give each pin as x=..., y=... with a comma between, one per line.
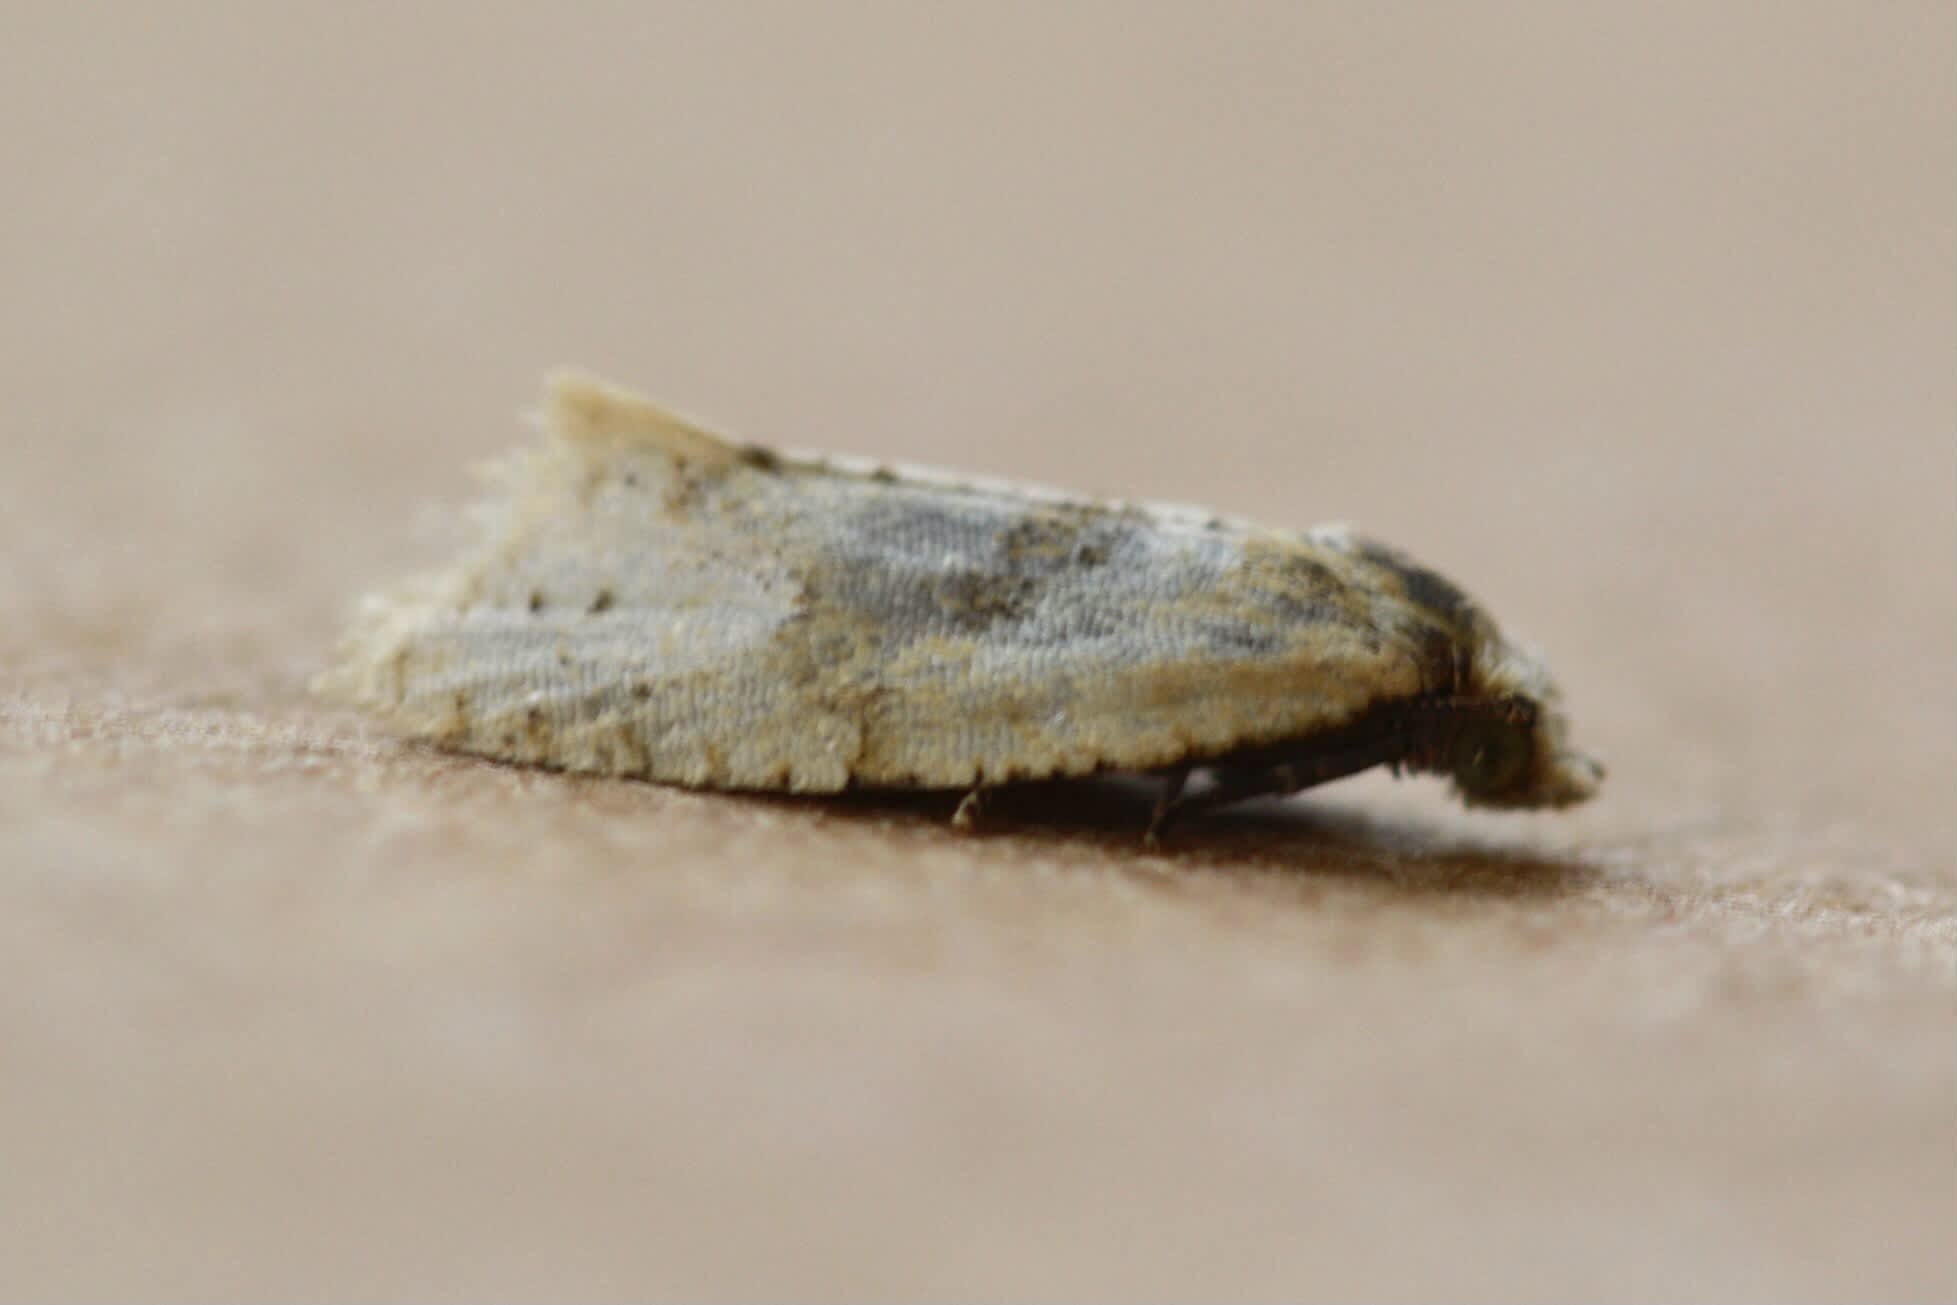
x=647, y=600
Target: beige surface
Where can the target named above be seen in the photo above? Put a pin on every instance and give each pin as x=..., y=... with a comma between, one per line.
x=1637, y=319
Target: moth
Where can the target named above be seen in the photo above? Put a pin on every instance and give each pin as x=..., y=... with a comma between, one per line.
x=644, y=598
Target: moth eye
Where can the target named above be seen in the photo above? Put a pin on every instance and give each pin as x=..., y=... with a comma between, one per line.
x=1488, y=761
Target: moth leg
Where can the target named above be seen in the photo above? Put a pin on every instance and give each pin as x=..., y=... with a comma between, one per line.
x=1234, y=784
x=970, y=808
x=1165, y=805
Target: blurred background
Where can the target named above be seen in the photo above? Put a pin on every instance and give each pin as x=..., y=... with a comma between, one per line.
x=1637, y=320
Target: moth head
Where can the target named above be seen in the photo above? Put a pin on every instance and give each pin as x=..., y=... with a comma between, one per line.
x=1516, y=752
x=1489, y=756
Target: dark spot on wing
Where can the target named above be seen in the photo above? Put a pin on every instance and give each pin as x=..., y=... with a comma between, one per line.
x=1242, y=639
x=1038, y=539
x=602, y=601
x=1447, y=647
x=1054, y=537
x=1424, y=588
x=919, y=560
x=1302, y=590
x=1273, y=596
x=1309, y=573
x=685, y=490
x=973, y=600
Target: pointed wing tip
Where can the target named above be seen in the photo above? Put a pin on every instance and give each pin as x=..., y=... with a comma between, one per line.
x=580, y=408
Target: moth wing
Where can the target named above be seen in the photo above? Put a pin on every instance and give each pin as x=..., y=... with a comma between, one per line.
x=648, y=599
x=603, y=622
x=986, y=637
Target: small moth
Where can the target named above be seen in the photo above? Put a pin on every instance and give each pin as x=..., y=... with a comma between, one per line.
x=645, y=598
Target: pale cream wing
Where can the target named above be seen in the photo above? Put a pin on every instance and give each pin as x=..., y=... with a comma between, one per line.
x=650, y=600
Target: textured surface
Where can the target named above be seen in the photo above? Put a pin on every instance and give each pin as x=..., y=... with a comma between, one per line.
x=643, y=599
x=1638, y=321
